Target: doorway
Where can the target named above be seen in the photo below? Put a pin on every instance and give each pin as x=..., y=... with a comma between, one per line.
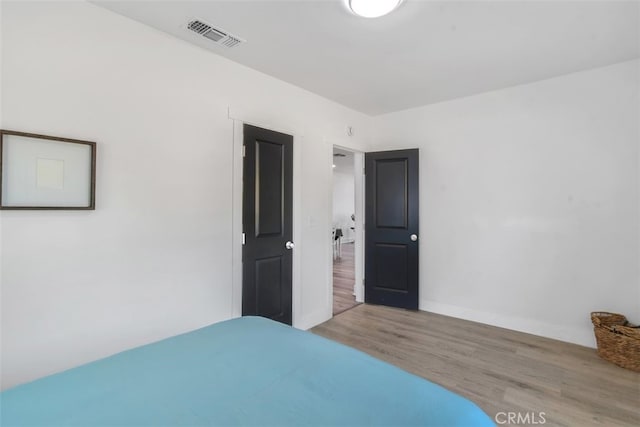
x=343, y=231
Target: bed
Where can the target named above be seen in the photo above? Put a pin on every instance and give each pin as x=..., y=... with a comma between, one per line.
x=246, y=371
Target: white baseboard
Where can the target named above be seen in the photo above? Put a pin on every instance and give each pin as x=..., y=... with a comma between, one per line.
x=573, y=335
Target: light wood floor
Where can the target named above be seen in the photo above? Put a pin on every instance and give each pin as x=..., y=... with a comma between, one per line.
x=344, y=277
x=499, y=369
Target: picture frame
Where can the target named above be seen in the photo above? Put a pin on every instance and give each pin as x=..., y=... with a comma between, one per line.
x=42, y=172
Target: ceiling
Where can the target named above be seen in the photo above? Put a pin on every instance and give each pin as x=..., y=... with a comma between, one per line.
x=424, y=52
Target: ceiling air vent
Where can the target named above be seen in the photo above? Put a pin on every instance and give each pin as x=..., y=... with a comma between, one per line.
x=214, y=34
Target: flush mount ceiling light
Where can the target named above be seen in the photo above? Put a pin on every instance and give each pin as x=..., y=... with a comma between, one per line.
x=372, y=8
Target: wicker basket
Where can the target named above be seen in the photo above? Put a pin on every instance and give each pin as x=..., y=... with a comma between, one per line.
x=618, y=340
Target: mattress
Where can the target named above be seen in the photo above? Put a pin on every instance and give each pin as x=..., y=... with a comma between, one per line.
x=246, y=371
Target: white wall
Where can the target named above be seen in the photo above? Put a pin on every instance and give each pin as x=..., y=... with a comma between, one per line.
x=154, y=259
x=529, y=209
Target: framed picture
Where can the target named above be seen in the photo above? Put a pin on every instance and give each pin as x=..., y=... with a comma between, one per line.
x=46, y=172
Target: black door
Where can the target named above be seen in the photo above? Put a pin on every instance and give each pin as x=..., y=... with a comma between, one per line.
x=267, y=220
x=391, y=228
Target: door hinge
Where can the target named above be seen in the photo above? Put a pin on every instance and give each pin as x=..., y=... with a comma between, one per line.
x=244, y=239
x=244, y=151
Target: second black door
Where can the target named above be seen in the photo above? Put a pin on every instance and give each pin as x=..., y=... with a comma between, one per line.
x=267, y=224
x=391, y=228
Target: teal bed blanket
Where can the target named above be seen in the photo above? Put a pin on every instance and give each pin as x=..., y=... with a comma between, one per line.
x=246, y=371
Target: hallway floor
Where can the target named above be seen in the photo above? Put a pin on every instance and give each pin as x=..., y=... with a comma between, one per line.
x=343, y=280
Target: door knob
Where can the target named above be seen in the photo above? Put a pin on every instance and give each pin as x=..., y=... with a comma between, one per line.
x=414, y=237
x=289, y=245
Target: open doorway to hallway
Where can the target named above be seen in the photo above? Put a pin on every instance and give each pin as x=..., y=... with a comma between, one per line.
x=343, y=231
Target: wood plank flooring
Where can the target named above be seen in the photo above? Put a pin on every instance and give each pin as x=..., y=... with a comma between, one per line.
x=499, y=369
x=343, y=280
